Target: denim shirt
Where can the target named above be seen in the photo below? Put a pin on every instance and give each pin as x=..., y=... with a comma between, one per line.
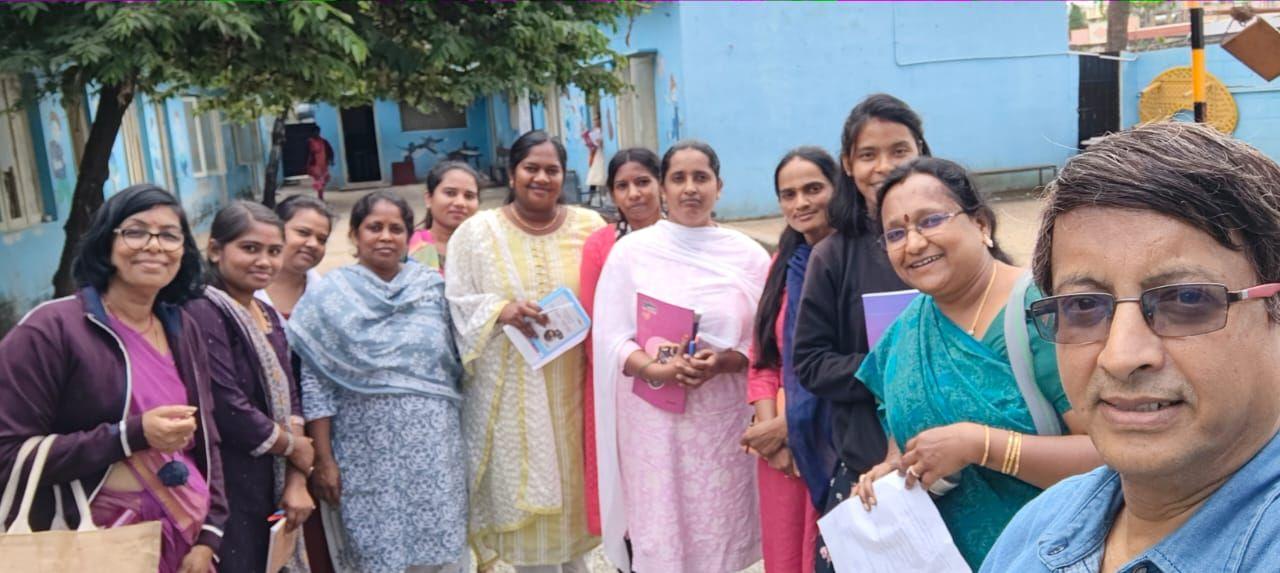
x=1065, y=529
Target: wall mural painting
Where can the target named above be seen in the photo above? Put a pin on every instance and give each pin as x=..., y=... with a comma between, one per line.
x=57, y=155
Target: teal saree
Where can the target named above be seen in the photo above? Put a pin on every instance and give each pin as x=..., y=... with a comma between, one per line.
x=927, y=372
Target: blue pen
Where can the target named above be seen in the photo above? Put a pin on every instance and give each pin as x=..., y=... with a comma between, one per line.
x=693, y=338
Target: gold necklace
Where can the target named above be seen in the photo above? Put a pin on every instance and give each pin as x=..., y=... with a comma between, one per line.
x=529, y=226
x=974, y=327
x=146, y=332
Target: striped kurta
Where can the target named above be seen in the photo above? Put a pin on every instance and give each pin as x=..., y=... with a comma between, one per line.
x=523, y=427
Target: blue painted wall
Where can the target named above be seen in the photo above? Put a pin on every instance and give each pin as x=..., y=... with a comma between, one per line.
x=994, y=83
x=393, y=141
x=30, y=256
x=1257, y=101
x=658, y=32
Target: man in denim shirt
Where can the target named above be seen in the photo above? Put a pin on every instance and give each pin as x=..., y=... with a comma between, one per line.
x=1150, y=237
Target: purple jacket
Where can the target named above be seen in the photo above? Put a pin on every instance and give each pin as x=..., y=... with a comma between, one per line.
x=63, y=371
x=239, y=392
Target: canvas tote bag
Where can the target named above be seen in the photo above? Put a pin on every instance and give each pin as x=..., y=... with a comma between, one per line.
x=132, y=548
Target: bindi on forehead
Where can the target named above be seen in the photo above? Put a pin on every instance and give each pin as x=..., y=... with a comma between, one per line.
x=916, y=197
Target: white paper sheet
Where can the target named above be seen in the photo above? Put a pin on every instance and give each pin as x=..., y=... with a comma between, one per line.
x=903, y=532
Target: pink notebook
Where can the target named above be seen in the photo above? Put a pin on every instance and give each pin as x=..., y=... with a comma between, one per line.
x=660, y=326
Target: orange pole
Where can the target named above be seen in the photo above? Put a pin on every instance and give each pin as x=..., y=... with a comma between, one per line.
x=1198, y=90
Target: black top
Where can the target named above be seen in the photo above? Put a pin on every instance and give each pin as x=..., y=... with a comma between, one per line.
x=831, y=340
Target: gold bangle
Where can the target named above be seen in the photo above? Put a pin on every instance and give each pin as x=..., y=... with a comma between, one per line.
x=1007, y=466
x=986, y=445
x=1017, y=456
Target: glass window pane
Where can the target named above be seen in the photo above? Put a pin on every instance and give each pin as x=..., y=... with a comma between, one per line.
x=209, y=141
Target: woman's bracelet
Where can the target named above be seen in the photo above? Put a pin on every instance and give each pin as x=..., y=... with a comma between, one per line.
x=1007, y=465
x=986, y=445
x=1012, y=454
x=290, y=443
x=1017, y=456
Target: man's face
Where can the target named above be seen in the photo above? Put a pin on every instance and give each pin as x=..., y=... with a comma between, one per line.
x=1161, y=407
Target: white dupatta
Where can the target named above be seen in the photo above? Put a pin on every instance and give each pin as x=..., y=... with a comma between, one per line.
x=700, y=267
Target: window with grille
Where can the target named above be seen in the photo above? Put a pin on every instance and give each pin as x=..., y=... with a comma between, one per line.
x=205, y=133
x=443, y=116
x=20, y=201
x=247, y=141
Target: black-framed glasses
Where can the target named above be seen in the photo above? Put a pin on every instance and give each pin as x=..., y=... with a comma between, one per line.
x=926, y=226
x=1173, y=310
x=137, y=238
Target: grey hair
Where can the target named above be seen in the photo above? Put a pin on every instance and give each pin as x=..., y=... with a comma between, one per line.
x=1189, y=172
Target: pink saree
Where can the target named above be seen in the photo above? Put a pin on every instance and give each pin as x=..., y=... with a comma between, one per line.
x=180, y=509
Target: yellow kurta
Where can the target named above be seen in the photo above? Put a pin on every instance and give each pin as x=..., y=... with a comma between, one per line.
x=523, y=427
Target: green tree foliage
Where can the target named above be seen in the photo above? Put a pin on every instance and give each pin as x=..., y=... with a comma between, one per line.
x=252, y=59
x=1076, y=19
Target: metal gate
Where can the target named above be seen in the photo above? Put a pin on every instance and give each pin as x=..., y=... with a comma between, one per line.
x=1099, y=96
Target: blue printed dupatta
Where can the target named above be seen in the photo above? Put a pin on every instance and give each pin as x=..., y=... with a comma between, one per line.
x=379, y=337
x=925, y=373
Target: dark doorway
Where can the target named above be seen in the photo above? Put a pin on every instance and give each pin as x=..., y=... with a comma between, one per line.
x=1099, y=96
x=294, y=153
x=360, y=140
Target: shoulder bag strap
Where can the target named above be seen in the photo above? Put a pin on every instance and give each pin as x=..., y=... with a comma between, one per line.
x=1019, y=347
x=15, y=476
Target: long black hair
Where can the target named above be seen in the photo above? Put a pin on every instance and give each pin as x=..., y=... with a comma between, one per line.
x=92, y=265
x=230, y=224
x=766, y=339
x=643, y=156
x=959, y=185
x=436, y=176
x=520, y=151
x=848, y=209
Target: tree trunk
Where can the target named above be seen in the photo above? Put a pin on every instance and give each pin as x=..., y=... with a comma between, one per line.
x=271, y=175
x=1117, y=26
x=94, y=169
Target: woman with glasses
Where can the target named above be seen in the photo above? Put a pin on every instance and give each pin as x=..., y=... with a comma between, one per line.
x=975, y=417
x=119, y=373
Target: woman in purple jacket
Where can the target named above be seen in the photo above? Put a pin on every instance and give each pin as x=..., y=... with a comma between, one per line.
x=266, y=455
x=118, y=373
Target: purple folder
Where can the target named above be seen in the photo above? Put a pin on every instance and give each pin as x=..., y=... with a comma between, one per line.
x=882, y=308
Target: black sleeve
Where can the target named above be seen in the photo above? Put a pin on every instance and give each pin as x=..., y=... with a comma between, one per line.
x=823, y=364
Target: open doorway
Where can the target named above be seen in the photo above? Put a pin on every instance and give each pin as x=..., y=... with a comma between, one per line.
x=1099, y=105
x=360, y=142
